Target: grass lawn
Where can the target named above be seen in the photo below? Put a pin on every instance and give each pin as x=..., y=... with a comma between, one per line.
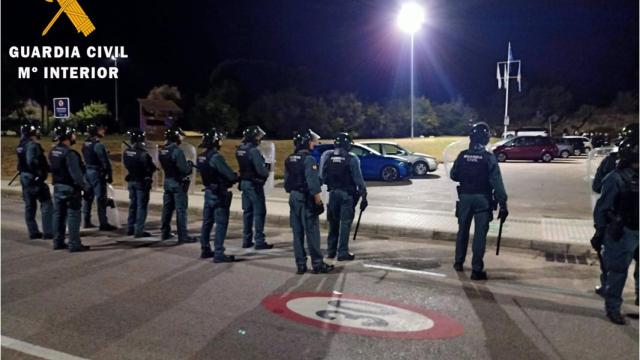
x=432, y=146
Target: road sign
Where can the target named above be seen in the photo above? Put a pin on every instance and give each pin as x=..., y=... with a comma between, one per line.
x=362, y=315
x=61, y=108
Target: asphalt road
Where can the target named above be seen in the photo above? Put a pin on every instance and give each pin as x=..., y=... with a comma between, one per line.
x=159, y=301
x=556, y=189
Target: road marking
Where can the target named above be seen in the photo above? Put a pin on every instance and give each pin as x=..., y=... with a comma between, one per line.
x=393, y=268
x=35, y=350
x=362, y=315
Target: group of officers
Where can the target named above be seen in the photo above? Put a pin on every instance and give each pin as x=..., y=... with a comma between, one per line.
x=480, y=192
x=76, y=181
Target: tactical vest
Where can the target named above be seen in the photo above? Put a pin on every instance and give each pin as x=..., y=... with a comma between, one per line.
x=169, y=166
x=209, y=174
x=627, y=202
x=294, y=165
x=89, y=153
x=59, y=170
x=338, y=173
x=135, y=160
x=21, y=151
x=474, y=172
x=247, y=170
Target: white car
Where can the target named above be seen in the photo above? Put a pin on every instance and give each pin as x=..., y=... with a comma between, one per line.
x=421, y=163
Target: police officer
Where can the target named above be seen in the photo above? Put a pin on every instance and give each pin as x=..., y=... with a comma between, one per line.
x=67, y=172
x=616, y=221
x=302, y=182
x=217, y=178
x=140, y=168
x=343, y=177
x=176, y=185
x=607, y=165
x=478, y=173
x=98, y=174
x=253, y=174
x=34, y=169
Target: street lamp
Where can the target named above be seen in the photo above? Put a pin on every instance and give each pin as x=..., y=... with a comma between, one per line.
x=410, y=20
x=115, y=61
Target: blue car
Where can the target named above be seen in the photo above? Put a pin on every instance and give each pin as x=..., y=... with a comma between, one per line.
x=374, y=166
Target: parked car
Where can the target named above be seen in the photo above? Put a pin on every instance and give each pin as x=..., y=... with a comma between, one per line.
x=581, y=144
x=565, y=148
x=534, y=148
x=422, y=163
x=374, y=165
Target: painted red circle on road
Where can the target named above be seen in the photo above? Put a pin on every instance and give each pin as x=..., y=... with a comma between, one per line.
x=433, y=325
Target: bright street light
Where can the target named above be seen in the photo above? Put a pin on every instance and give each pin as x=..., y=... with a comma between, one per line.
x=410, y=19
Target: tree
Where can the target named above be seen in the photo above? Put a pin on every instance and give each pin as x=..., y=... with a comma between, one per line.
x=397, y=115
x=165, y=92
x=346, y=114
x=211, y=110
x=454, y=117
x=95, y=111
x=625, y=103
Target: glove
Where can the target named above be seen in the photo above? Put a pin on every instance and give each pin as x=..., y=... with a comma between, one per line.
x=268, y=166
x=503, y=213
x=318, y=209
x=364, y=203
x=109, y=178
x=596, y=240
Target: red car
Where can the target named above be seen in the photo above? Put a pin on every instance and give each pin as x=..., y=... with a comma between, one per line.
x=534, y=148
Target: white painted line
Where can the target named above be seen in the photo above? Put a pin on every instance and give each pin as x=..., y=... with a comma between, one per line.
x=35, y=350
x=393, y=268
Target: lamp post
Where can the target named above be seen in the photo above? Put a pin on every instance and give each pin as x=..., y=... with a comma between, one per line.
x=115, y=61
x=410, y=19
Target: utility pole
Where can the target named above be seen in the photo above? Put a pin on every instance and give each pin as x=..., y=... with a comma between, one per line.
x=503, y=75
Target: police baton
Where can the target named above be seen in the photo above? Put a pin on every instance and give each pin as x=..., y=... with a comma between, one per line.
x=14, y=178
x=499, y=236
x=357, y=225
x=127, y=144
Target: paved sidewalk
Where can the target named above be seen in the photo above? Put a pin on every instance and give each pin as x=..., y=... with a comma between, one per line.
x=569, y=236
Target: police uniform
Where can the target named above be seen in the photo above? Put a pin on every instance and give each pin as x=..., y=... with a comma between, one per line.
x=98, y=173
x=343, y=177
x=619, y=200
x=140, y=168
x=478, y=173
x=34, y=169
x=217, y=178
x=253, y=174
x=68, y=181
x=302, y=182
x=176, y=177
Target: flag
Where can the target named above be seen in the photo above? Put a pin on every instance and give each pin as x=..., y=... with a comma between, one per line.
x=519, y=77
x=510, y=57
x=498, y=76
x=506, y=76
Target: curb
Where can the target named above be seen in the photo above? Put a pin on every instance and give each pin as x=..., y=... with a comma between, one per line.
x=415, y=234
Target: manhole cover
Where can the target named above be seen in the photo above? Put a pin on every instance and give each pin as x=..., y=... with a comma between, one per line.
x=411, y=263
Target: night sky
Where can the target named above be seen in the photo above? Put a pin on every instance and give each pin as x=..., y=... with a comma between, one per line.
x=590, y=47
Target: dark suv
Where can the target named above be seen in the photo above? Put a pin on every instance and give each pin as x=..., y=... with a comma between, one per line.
x=534, y=148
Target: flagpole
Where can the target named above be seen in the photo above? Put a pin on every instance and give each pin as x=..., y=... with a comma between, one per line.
x=506, y=85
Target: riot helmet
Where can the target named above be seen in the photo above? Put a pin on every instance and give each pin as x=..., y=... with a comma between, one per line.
x=628, y=152
x=136, y=136
x=94, y=129
x=480, y=134
x=212, y=138
x=253, y=134
x=29, y=129
x=64, y=132
x=302, y=140
x=630, y=131
x=174, y=134
x=343, y=141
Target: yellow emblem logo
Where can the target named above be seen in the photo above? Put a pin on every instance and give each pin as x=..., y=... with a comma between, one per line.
x=76, y=14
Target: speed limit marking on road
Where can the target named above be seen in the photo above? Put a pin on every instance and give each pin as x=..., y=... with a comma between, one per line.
x=362, y=315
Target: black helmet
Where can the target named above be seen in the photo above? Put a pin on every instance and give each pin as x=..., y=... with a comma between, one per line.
x=628, y=151
x=212, y=138
x=344, y=141
x=93, y=128
x=173, y=134
x=29, y=129
x=480, y=133
x=136, y=136
x=63, y=132
x=630, y=131
x=301, y=140
x=252, y=132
